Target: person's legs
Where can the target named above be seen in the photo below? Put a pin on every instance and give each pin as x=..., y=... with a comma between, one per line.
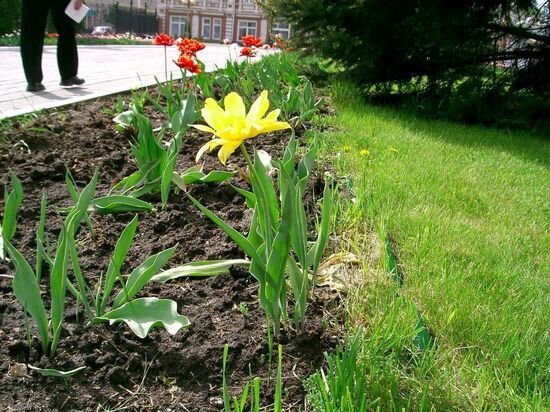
x=67, y=55
x=33, y=23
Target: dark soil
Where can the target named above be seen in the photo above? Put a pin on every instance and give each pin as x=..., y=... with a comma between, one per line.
x=161, y=372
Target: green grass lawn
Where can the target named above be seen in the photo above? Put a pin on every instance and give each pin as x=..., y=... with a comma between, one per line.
x=468, y=209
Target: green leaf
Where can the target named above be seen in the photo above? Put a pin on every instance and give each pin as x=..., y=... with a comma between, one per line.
x=40, y=250
x=113, y=204
x=239, y=239
x=71, y=185
x=268, y=202
x=321, y=242
x=27, y=292
x=305, y=166
x=193, y=176
x=58, y=275
x=279, y=249
x=239, y=405
x=225, y=388
x=57, y=373
x=201, y=268
x=128, y=182
x=124, y=119
x=145, y=313
x=178, y=181
x=148, y=152
x=74, y=192
x=187, y=115
x=9, y=221
x=156, y=104
x=143, y=274
x=289, y=155
x=117, y=260
x=167, y=172
x=299, y=231
x=79, y=211
x=254, y=236
x=83, y=289
x=299, y=282
x=278, y=402
x=249, y=197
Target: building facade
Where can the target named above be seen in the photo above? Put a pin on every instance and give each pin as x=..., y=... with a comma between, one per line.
x=215, y=20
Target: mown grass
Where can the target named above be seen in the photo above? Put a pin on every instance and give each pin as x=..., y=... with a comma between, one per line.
x=467, y=209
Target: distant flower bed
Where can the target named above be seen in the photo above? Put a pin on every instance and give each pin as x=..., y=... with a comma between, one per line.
x=13, y=39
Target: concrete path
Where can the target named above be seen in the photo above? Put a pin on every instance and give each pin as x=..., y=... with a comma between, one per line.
x=106, y=69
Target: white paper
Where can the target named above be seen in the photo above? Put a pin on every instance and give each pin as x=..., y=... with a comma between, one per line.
x=76, y=15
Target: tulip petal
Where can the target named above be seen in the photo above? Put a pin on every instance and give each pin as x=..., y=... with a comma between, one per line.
x=203, y=128
x=227, y=149
x=273, y=126
x=234, y=107
x=230, y=134
x=273, y=115
x=232, y=125
x=213, y=114
x=211, y=145
x=258, y=108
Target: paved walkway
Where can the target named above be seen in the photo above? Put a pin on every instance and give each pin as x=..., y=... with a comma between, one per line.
x=106, y=69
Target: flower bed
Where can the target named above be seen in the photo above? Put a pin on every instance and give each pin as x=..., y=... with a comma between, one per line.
x=183, y=371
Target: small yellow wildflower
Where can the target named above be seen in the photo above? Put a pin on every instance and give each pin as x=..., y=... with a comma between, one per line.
x=233, y=126
x=364, y=152
x=347, y=148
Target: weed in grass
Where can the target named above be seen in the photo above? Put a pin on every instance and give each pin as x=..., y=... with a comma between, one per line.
x=250, y=396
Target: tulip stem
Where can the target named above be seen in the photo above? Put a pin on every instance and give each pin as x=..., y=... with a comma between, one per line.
x=246, y=156
x=165, y=65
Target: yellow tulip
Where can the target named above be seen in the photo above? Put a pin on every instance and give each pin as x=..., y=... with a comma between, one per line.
x=233, y=126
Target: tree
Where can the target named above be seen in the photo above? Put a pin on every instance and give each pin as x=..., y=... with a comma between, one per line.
x=382, y=41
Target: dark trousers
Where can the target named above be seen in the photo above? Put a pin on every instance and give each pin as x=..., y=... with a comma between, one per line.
x=34, y=14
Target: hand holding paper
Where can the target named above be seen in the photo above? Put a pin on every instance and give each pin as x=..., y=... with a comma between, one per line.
x=76, y=10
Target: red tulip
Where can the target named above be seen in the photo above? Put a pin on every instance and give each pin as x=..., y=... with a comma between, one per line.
x=186, y=62
x=251, y=40
x=189, y=46
x=248, y=52
x=163, y=40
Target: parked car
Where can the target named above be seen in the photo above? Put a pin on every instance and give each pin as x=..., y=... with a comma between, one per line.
x=102, y=30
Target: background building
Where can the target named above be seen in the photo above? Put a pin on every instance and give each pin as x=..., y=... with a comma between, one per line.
x=209, y=20
x=215, y=20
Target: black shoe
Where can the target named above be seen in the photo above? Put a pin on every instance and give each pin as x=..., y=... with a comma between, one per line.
x=72, y=81
x=35, y=87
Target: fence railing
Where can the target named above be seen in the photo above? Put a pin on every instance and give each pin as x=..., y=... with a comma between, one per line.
x=123, y=19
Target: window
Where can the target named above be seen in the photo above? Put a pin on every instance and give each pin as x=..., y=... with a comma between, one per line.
x=281, y=28
x=206, y=26
x=247, y=27
x=178, y=26
x=217, y=29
